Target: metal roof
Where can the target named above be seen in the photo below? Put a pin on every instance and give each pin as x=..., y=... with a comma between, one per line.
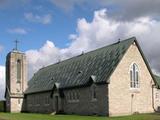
x=157, y=78
x=77, y=71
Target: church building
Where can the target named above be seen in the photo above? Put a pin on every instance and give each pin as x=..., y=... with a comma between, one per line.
x=110, y=81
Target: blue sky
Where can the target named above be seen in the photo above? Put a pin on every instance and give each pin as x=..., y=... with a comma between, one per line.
x=61, y=24
x=54, y=30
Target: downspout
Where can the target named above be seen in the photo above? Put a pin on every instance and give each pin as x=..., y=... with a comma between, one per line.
x=153, y=98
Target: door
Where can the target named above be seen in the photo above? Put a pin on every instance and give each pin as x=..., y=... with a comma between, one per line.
x=133, y=104
x=56, y=104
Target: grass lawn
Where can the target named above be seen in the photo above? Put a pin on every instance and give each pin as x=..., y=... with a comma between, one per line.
x=27, y=116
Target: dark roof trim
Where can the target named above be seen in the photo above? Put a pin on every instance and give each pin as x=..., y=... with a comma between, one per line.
x=44, y=91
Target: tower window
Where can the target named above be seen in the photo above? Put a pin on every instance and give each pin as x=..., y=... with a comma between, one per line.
x=18, y=71
x=134, y=76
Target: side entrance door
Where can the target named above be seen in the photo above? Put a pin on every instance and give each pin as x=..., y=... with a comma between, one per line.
x=56, y=104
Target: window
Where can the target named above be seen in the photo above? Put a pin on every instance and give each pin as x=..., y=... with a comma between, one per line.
x=73, y=96
x=38, y=100
x=18, y=71
x=77, y=96
x=30, y=101
x=94, y=95
x=134, y=76
x=46, y=100
x=70, y=94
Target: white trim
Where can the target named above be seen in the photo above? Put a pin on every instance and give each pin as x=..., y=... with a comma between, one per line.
x=134, y=81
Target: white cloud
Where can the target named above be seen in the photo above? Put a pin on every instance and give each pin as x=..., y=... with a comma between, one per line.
x=17, y=30
x=43, y=19
x=102, y=30
x=44, y=56
x=119, y=9
x=129, y=10
x=2, y=82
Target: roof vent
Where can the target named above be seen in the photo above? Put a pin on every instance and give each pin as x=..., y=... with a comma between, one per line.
x=57, y=85
x=119, y=40
x=82, y=53
x=59, y=60
x=79, y=72
x=94, y=78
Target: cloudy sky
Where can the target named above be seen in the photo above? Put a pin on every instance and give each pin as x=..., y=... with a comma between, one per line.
x=54, y=30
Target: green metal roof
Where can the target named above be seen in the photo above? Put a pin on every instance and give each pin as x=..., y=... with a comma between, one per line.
x=157, y=78
x=97, y=65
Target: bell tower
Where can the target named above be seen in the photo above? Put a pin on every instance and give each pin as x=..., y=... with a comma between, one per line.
x=16, y=80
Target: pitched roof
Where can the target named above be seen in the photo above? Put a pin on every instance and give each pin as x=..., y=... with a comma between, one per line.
x=97, y=65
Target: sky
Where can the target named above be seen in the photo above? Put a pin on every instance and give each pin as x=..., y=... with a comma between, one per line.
x=53, y=30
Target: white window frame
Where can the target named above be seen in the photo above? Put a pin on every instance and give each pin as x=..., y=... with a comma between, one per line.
x=134, y=76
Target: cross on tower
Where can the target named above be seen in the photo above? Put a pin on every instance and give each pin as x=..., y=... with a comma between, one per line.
x=16, y=44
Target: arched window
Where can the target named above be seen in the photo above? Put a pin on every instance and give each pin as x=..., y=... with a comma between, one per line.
x=134, y=76
x=18, y=71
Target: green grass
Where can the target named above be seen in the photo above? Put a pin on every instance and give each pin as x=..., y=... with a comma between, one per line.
x=27, y=116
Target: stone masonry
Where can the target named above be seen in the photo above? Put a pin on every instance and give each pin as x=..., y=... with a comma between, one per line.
x=15, y=86
x=124, y=100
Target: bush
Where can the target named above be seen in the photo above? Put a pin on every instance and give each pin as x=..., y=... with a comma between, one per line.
x=2, y=105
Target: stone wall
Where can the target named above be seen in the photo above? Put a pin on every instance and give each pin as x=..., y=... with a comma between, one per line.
x=124, y=100
x=16, y=104
x=156, y=99
x=83, y=105
x=40, y=103
x=86, y=105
